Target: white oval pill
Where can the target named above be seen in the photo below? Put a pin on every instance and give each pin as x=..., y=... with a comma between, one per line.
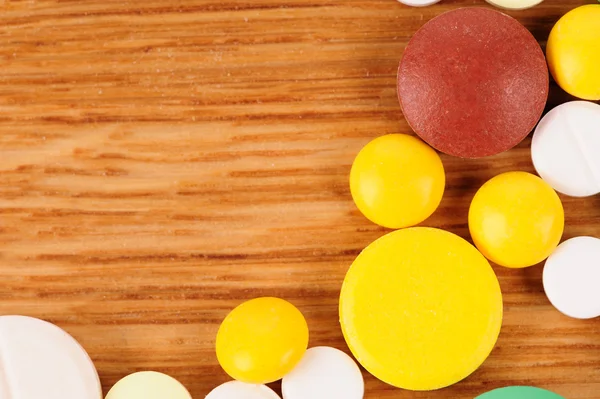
x=514, y=4
x=40, y=360
x=148, y=385
x=418, y=3
x=241, y=390
x=324, y=373
x=572, y=277
x=565, y=148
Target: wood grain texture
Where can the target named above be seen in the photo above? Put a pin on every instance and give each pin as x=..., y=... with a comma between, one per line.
x=162, y=161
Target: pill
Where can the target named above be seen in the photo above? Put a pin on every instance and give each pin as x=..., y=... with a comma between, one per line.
x=241, y=390
x=565, y=148
x=514, y=4
x=516, y=219
x=40, y=360
x=573, y=52
x=148, y=385
x=324, y=373
x=519, y=393
x=418, y=3
x=397, y=181
x=473, y=82
x=262, y=340
x=572, y=276
x=420, y=308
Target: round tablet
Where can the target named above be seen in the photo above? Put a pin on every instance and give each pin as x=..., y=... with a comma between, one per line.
x=516, y=219
x=519, y=393
x=262, y=340
x=241, y=390
x=148, y=385
x=397, y=181
x=324, y=373
x=573, y=52
x=572, y=276
x=418, y=3
x=40, y=360
x=473, y=82
x=565, y=148
x=420, y=308
x=514, y=4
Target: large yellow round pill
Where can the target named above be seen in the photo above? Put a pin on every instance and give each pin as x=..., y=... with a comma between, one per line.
x=516, y=219
x=420, y=308
x=262, y=340
x=573, y=52
x=397, y=181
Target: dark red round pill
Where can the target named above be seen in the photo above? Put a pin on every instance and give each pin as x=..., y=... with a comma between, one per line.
x=473, y=82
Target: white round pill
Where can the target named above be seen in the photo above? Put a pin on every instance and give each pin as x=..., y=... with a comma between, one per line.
x=241, y=390
x=418, y=3
x=565, y=148
x=572, y=277
x=40, y=360
x=324, y=373
x=514, y=4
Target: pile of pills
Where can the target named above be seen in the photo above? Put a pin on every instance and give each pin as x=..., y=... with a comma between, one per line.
x=420, y=308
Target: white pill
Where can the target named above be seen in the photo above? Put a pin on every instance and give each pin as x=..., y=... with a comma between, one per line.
x=241, y=390
x=40, y=360
x=324, y=373
x=572, y=277
x=566, y=146
x=418, y=3
x=514, y=4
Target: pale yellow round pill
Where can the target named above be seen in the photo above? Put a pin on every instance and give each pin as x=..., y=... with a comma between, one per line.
x=148, y=385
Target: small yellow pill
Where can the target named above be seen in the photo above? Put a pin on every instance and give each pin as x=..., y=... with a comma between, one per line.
x=262, y=340
x=148, y=385
x=516, y=219
x=397, y=181
x=420, y=308
x=573, y=52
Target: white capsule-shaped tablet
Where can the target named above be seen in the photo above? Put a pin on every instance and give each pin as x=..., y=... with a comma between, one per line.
x=514, y=4
x=324, y=373
x=40, y=360
x=241, y=390
x=566, y=148
x=418, y=3
x=148, y=385
x=572, y=277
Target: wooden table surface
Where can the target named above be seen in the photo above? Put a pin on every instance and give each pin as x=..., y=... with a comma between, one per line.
x=163, y=160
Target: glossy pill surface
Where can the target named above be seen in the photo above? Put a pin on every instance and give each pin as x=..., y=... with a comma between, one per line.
x=397, y=181
x=242, y=390
x=516, y=219
x=573, y=52
x=262, y=340
x=519, y=392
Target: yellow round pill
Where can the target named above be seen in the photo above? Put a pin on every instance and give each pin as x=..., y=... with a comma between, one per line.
x=573, y=52
x=262, y=340
x=148, y=385
x=420, y=308
x=397, y=181
x=516, y=219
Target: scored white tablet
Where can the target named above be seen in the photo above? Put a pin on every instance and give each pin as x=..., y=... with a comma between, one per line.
x=241, y=390
x=324, y=373
x=565, y=148
x=41, y=361
x=572, y=277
